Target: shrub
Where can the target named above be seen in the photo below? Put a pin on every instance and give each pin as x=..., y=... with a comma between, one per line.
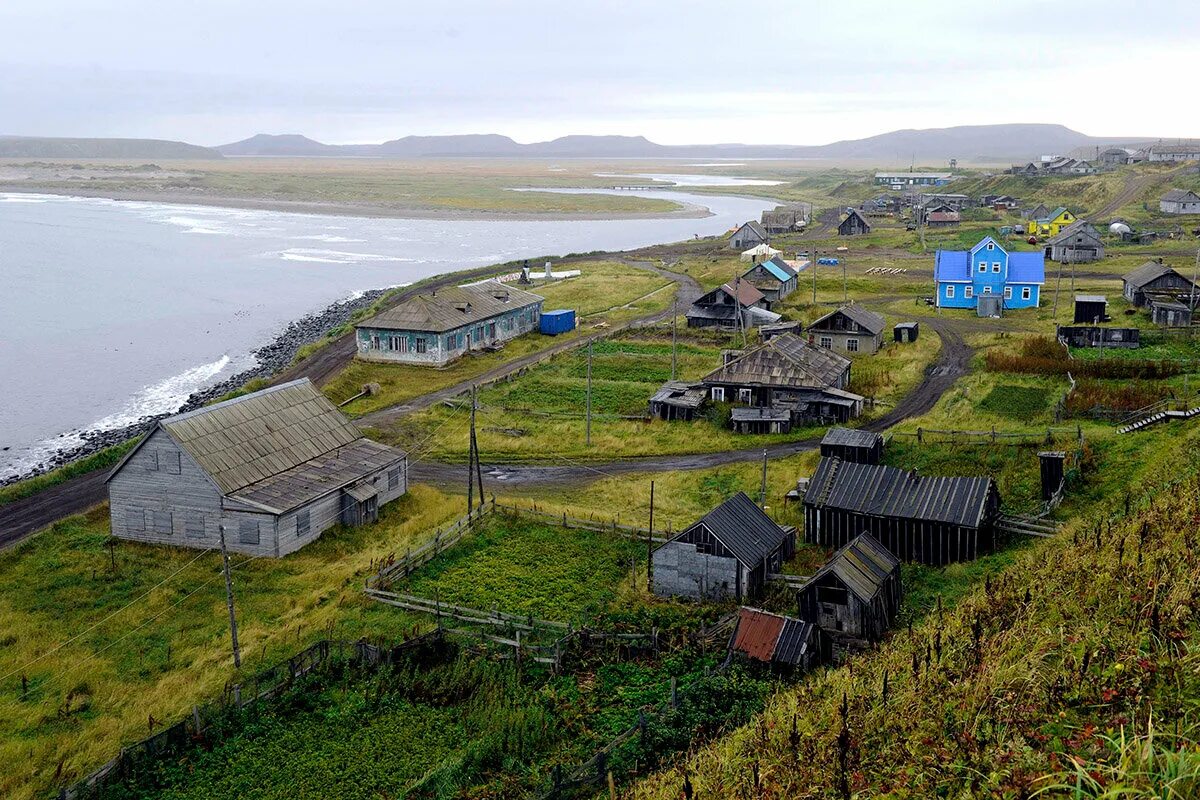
x=1043, y=355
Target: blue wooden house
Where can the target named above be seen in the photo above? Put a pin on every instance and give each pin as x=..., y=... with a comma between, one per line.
x=988, y=271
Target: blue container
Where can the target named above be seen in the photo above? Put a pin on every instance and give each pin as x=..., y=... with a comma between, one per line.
x=561, y=320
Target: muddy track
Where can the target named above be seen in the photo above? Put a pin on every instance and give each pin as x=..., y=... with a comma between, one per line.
x=952, y=363
x=1133, y=187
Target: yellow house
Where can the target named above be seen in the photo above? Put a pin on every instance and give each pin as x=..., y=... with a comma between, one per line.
x=1051, y=225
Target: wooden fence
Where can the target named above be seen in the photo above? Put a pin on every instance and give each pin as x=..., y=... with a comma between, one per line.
x=932, y=436
x=263, y=686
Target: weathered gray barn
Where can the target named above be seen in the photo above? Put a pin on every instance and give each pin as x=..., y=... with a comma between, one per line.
x=1179, y=201
x=439, y=326
x=1169, y=312
x=722, y=307
x=1099, y=336
x=854, y=224
x=929, y=520
x=749, y=234
x=1077, y=243
x=774, y=277
x=857, y=594
x=1154, y=278
x=786, y=373
x=274, y=468
x=727, y=553
x=852, y=445
x=850, y=329
x=780, y=641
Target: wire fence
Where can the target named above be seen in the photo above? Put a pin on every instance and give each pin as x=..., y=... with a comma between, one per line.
x=1041, y=436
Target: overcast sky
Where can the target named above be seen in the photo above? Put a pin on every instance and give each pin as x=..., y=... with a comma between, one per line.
x=786, y=72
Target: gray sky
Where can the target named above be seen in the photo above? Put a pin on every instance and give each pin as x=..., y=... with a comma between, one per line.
x=788, y=72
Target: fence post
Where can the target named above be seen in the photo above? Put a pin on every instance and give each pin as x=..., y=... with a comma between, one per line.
x=920, y=438
x=674, y=693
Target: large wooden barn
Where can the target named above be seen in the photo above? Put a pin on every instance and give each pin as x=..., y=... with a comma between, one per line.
x=274, y=469
x=726, y=553
x=929, y=520
x=1154, y=278
x=857, y=593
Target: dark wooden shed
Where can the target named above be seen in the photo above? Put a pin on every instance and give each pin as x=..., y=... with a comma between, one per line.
x=855, y=446
x=857, y=594
x=906, y=331
x=794, y=644
x=1091, y=308
x=854, y=224
x=929, y=520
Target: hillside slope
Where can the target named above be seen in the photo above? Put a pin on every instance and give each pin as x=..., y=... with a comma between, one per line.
x=52, y=147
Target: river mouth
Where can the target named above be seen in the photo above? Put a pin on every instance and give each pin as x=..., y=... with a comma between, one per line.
x=118, y=310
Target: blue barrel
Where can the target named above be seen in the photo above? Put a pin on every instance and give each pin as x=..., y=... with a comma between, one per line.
x=560, y=320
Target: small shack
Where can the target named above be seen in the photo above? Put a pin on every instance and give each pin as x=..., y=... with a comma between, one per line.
x=906, y=331
x=750, y=419
x=560, y=320
x=724, y=306
x=1098, y=336
x=1169, y=312
x=780, y=641
x=852, y=445
x=748, y=235
x=857, y=594
x=729, y=552
x=768, y=332
x=929, y=520
x=1091, y=308
x=677, y=400
x=854, y=224
x=1052, y=464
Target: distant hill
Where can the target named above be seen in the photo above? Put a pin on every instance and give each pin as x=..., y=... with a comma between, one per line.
x=53, y=147
x=974, y=143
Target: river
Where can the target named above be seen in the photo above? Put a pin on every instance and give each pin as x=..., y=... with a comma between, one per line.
x=112, y=311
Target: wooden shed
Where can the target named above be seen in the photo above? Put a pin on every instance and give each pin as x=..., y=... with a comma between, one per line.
x=1154, y=278
x=1169, y=312
x=677, y=400
x=726, y=553
x=928, y=520
x=793, y=644
x=854, y=224
x=906, y=331
x=857, y=594
x=853, y=445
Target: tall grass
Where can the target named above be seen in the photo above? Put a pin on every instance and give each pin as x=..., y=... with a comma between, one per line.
x=1042, y=355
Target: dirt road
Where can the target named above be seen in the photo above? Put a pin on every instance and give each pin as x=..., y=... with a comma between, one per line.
x=1134, y=186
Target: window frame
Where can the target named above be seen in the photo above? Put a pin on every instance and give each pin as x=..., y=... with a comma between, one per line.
x=1008, y=294
x=303, y=522
x=852, y=345
x=825, y=342
x=244, y=527
x=968, y=292
x=1026, y=293
x=950, y=291
x=420, y=345
x=718, y=394
x=996, y=267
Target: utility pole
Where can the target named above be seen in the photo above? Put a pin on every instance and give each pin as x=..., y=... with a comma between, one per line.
x=675, y=331
x=814, y=269
x=845, y=286
x=650, y=544
x=762, y=492
x=471, y=458
x=237, y=652
x=1195, y=276
x=1057, y=287
x=588, y=435
x=475, y=447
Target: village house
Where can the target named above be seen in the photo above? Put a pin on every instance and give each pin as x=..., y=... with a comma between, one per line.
x=748, y=234
x=1077, y=243
x=853, y=445
x=999, y=202
x=1051, y=224
x=787, y=374
x=727, y=553
x=725, y=305
x=897, y=180
x=940, y=216
x=272, y=469
x=1114, y=156
x=955, y=202
x=1028, y=168
x=786, y=219
x=1174, y=152
x=436, y=327
x=922, y=519
x=850, y=328
x=1179, y=201
x=780, y=641
x=1154, y=278
x=1035, y=213
x=854, y=224
x=857, y=594
x=774, y=277
x=988, y=274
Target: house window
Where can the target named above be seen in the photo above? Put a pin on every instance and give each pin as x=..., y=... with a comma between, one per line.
x=303, y=523
x=1024, y=292
x=704, y=548
x=745, y=395
x=135, y=519
x=248, y=531
x=164, y=522
x=968, y=292
x=1008, y=293
x=852, y=345
x=949, y=292
x=991, y=246
x=170, y=461
x=398, y=344
x=152, y=460
x=983, y=266
x=995, y=266
x=718, y=394
x=826, y=342
x=374, y=341
x=987, y=290
x=393, y=478
x=194, y=526
x=420, y=343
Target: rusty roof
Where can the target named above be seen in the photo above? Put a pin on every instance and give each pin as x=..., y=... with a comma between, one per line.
x=757, y=633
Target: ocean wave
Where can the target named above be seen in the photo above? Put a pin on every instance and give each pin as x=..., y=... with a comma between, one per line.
x=331, y=238
x=337, y=256
x=17, y=198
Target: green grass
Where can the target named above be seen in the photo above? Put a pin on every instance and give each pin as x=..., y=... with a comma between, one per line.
x=1018, y=402
x=99, y=460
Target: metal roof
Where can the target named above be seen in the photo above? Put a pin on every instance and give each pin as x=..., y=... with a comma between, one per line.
x=868, y=320
x=452, y=307
x=851, y=437
x=793, y=641
x=1146, y=273
x=1023, y=266
x=785, y=360
x=744, y=528
x=863, y=566
x=883, y=491
x=757, y=633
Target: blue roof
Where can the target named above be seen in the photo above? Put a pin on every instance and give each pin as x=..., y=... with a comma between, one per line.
x=1027, y=267
x=779, y=272
x=558, y=312
x=951, y=265
x=1023, y=267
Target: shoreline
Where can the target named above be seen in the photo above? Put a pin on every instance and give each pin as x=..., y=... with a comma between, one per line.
x=369, y=210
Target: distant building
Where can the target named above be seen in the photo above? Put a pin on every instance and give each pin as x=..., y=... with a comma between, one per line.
x=1052, y=223
x=1179, y=201
x=987, y=270
x=1169, y=312
x=854, y=224
x=1028, y=168
x=857, y=594
x=774, y=277
x=725, y=305
x=1038, y=212
x=786, y=219
x=941, y=216
x=727, y=553
x=1154, y=278
x=1114, y=156
x=780, y=641
x=897, y=180
x=748, y=235
x=1174, y=152
x=850, y=329
x=274, y=469
x=1077, y=243
x=436, y=327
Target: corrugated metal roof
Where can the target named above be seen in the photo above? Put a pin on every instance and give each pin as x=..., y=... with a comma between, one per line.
x=785, y=360
x=863, y=566
x=793, y=641
x=884, y=491
x=744, y=528
x=851, y=437
x=757, y=633
x=452, y=307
